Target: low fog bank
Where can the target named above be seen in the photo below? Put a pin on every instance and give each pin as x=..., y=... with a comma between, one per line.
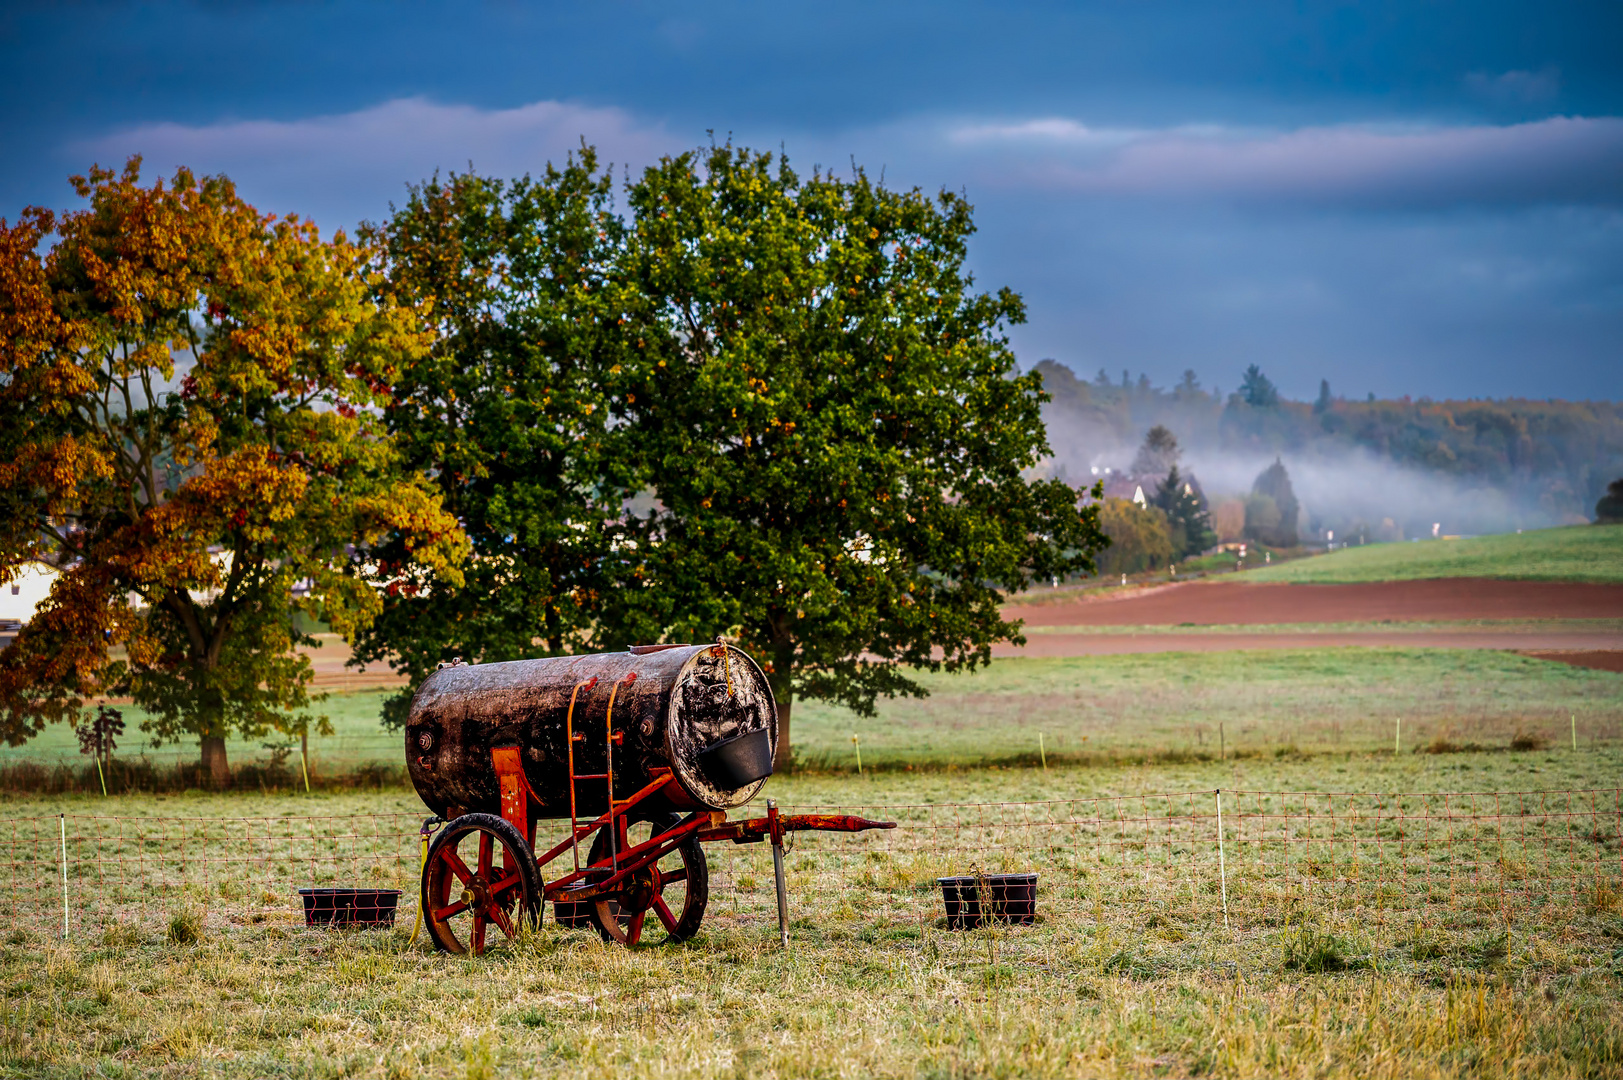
x=1384, y=470
x=1358, y=494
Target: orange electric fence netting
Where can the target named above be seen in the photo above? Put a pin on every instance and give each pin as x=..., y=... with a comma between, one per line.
x=1240, y=857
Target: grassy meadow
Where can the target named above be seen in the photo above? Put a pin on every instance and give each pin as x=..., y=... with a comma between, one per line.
x=1130, y=970
x=1423, y=934
x=1592, y=553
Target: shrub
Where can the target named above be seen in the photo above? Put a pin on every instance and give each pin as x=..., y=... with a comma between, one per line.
x=1527, y=740
x=1139, y=539
x=1609, y=510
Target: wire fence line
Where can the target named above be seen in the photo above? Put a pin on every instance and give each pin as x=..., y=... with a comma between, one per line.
x=1241, y=858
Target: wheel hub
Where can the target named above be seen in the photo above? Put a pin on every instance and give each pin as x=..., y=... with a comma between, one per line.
x=476, y=893
x=639, y=890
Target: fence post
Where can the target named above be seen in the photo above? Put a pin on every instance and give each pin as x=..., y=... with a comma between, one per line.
x=776, y=826
x=1222, y=863
x=64, y=821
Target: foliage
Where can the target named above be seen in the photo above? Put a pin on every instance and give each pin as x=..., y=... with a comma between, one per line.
x=1228, y=520
x=1272, y=510
x=1159, y=453
x=1322, y=403
x=833, y=428
x=507, y=412
x=187, y=431
x=1139, y=538
x=1609, y=510
x=99, y=736
x=1576, y=553
x=1557, y=456
x=1189, y=526
x=1257, y=390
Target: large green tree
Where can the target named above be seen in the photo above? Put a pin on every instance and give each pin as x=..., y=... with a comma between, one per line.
x=833, y=426
x=188, y=430
x=508, y=412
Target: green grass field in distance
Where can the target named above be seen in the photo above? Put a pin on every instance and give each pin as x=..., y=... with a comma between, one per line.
x=358, y=737
x=1587, y=553
x=1160, y=706
x=1149, y=706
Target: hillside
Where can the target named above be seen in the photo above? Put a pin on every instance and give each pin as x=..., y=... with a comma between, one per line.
x=1591, y=553
x=1381, y=469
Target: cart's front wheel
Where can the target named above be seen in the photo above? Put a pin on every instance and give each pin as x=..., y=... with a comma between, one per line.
x=673, y=890
x=468, y=887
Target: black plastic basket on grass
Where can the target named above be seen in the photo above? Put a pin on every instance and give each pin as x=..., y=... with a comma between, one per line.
x=349, y=907
x=1009, y=898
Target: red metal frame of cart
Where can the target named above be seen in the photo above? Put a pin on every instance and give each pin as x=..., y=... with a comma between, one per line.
x=619, y=887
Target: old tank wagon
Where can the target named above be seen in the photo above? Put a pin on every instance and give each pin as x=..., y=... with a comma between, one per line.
x=644, y=752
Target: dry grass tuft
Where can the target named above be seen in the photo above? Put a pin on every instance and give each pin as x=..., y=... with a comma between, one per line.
x=185, y=927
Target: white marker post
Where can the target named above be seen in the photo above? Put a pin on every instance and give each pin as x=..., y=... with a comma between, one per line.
x=64, y=820
x=1222, y=863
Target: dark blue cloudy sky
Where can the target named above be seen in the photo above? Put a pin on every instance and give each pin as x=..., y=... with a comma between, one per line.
x=1421, y=198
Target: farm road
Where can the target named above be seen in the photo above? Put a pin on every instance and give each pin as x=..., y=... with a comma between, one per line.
x=1237, y=604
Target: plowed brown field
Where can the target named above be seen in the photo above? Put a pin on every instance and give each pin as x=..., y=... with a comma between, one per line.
x=1235, y=603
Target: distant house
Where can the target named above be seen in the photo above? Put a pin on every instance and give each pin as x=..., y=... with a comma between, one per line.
x=26, y=592
x=1135, y=487
x=1124, y=486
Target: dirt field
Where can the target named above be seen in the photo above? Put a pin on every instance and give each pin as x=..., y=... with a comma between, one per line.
x=1239, y=603
x=1376, y=612
x=1548, y=645
x=1599, y=659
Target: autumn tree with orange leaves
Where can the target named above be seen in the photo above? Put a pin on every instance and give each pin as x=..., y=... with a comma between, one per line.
x=189, y=398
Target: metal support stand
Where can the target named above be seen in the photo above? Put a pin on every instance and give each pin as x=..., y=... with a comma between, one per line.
x=776, y=826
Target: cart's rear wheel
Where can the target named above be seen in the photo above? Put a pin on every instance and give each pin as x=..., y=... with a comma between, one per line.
x=480, y=872
x=673, y=891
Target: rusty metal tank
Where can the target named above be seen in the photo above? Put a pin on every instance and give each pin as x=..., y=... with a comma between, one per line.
x=677, y=707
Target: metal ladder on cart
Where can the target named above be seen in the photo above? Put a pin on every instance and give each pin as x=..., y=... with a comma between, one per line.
x=610, y=741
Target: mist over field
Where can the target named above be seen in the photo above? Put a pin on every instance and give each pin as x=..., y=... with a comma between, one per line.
x=1381, y=469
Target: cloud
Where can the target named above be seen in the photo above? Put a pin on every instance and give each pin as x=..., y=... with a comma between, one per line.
x=1560, y=159
x=349, y=165
x=327, y=165
x=1516, y=87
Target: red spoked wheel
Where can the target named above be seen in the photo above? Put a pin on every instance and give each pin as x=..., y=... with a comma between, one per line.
x=480, y=873
x=674, y=890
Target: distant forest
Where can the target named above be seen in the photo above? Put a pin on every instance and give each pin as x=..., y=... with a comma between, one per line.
x=1380, y=468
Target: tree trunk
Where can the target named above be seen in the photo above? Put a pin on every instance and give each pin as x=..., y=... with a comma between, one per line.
x=783, y=689
x=783, y=756
x=214, y=763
